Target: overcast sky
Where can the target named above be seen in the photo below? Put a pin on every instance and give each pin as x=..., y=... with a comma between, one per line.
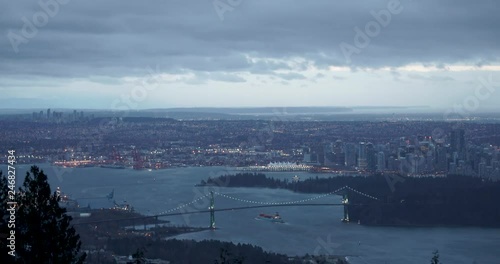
x=194, y=53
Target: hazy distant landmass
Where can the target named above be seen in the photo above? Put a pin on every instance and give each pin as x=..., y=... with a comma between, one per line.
x=232, y=110
x=256, y=110
x=358, y=113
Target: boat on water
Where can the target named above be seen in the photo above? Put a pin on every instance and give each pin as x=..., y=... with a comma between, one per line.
x=276, y=218
x=65, y=201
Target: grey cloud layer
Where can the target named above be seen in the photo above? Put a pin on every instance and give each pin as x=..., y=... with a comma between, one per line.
x=117, y=37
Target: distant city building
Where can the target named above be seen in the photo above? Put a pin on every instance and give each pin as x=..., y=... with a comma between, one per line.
x=457, y=142
x=381, y=161
x=335, y=157
x=362, y=162
x=350, y=155
x=371, y=157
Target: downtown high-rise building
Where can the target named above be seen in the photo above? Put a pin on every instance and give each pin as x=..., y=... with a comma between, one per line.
x=350, y=155
x=371, y=157
x=362, y=162
x=381, y=161
x=457, y=142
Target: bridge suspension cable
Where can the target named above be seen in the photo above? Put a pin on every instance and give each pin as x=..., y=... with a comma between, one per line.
x=293, y=202
x=260, y=205
x=183, y=205
x=267, y=203
x=358, y=192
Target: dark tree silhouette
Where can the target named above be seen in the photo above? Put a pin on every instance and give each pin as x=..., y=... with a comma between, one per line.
x=227, y=258
x=435, y=258
x=138, y=256
x=43, y=230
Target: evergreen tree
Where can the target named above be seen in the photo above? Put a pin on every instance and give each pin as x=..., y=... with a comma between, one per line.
x=139, y=256
x=44, y=233
x=435, y=258
x=227, y=258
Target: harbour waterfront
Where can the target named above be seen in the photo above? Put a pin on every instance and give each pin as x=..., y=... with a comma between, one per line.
x=307, y=229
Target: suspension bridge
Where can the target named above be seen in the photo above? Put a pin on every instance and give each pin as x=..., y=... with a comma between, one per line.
x=344, y=191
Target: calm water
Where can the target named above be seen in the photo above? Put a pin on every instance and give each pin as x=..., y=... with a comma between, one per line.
x=308, y=229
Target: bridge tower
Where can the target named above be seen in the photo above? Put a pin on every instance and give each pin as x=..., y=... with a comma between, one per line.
x=345, y=201
x=212, y=212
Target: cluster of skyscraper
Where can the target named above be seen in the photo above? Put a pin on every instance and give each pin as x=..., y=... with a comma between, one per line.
x=58, y=116
x=413, y=156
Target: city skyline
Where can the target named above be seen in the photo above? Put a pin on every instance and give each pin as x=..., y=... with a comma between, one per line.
x=252, y=54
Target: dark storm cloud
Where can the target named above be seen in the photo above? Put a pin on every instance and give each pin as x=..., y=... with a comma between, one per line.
x=118, y=38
